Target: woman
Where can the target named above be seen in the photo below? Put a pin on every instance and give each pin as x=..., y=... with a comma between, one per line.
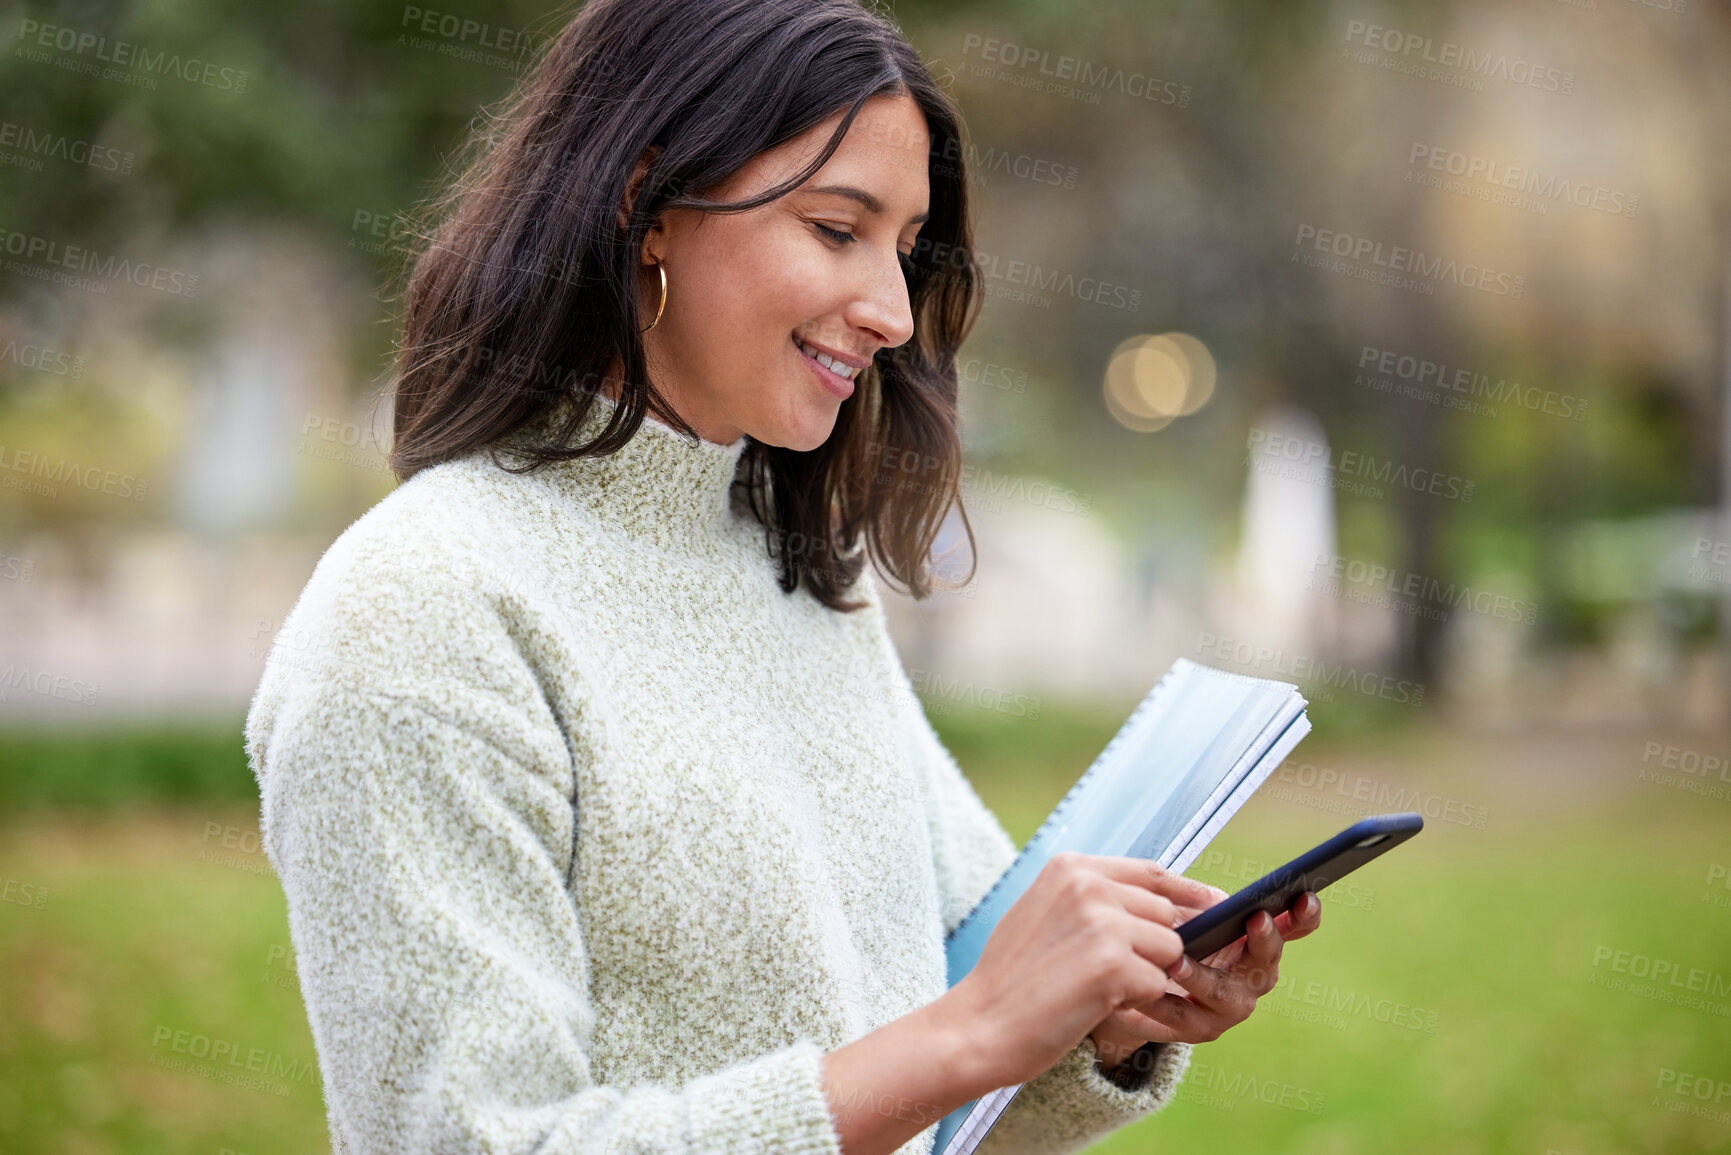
x=607, y=816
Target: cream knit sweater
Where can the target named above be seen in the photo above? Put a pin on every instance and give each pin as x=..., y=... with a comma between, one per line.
x=595, y=840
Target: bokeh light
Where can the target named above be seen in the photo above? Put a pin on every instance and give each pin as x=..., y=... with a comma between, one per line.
x=1151, y=380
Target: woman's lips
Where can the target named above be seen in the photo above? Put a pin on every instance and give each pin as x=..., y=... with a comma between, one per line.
x=841, y=386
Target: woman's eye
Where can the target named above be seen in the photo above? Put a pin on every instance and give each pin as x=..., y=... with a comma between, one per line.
x=833, y=234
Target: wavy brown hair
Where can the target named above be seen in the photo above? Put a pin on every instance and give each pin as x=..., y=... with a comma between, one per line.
x=522, y=294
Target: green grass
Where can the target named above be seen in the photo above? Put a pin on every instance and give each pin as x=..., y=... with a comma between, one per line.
x=113, y=767
x=148, y=927
x=1490, y=935
x=156, y=917
x=1495, y=932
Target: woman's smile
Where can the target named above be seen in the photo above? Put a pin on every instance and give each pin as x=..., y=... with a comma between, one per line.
x=835, y=374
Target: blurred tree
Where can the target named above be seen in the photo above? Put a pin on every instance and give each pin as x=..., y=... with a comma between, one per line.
x=333, y=116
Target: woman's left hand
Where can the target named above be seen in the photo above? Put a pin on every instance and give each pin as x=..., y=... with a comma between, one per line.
x=1216, y=994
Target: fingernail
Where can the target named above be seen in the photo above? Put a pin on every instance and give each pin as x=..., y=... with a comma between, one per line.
x=1181, y=971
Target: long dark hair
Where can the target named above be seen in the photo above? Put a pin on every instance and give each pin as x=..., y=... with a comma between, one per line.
x=523, y=292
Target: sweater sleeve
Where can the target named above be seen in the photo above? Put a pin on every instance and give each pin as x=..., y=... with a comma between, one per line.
x=422, y=827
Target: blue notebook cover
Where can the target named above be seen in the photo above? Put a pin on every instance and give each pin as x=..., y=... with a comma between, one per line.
x=1185, y=760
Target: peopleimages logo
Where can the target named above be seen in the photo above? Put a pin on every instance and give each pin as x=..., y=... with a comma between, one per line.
x=33, y=144
x=24, y=894
x=28, y=464
x=1351, y=471
x=226, y=1061
x=1306, y=669
x=1418, y=587
x=465, y=30
x=1460, y=387
x=948, y=260
x=1202, y=1078
x=125, y=54
x=41, y=359
x=1710, y=560
x=1342, y=1001
x=1688, y=761
x=1397, y=259
x=1461, y=58
x=1684, y=1086
x=52, y=253
x=921, y=150
x=1358, y=794
x=46, y=684
x=936, y=685
x=1058, y=73
x=1506, y=178
x=1668, y=971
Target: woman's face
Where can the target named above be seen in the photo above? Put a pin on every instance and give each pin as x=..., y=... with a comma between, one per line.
x=819, y=267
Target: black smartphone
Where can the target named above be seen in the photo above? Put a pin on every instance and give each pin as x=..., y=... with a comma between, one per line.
x=1223, y=923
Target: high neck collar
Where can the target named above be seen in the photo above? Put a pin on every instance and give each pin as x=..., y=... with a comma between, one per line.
x=661, y=486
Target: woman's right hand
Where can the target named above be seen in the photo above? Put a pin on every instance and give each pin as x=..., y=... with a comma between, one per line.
x=1091, y=934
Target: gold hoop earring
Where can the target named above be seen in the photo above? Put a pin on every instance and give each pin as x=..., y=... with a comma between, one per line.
x=662, y=269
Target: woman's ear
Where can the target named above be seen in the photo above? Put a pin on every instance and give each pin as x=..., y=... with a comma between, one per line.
x=635, y=183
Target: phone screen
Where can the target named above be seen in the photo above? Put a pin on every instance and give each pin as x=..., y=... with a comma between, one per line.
x=1224, y=923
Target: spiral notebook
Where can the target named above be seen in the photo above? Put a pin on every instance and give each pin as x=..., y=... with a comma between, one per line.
x=1185, y=760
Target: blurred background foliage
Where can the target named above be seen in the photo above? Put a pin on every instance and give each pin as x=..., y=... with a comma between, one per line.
x=344, y=124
